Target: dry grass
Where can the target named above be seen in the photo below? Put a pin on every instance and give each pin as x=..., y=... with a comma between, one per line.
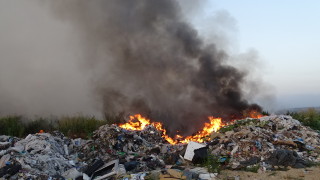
x=72, y=126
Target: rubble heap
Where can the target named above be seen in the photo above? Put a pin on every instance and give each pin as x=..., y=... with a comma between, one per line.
x=139, y=151
x=267, y=142
x=115, y=152
x=38, y=155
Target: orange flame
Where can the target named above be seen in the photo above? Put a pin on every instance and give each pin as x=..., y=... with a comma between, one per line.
x=138, y=123
x=255, y=114
x=137, y=126
x=214, y=125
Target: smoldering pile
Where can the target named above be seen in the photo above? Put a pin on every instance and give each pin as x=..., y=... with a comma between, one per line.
x=114, y=152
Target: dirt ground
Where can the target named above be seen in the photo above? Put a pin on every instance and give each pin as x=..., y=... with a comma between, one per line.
x=312, y=173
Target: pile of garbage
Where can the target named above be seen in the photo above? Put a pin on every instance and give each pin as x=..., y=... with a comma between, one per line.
x=38, y=156
x=266, y=142
x=116, y=153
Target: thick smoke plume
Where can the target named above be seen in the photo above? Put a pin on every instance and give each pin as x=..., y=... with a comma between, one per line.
x=144, y=57
x=151, y=61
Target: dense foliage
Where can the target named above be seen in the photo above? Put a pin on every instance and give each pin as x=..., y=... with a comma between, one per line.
x=310, y=117
x=72, y=126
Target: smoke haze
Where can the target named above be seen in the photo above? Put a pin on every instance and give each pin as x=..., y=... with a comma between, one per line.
x=39, y=72
x=115, y=56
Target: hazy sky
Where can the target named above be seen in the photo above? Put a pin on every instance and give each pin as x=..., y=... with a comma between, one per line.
x=286, y=35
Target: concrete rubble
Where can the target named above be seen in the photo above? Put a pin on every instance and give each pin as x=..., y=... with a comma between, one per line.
x=261, y=145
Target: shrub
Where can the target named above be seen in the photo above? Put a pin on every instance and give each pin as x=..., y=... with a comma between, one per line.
x=72, y=126
x=12, y=126
x=34, y=126
x=309, y=117
x=79, y=126
x=213, y=164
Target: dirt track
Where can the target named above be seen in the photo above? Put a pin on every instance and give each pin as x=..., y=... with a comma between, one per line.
x=292, y=174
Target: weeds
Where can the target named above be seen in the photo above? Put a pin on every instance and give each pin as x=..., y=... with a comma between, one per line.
x=265, y=113
x=239, y=123
x=79, y=126
x=72, y=126
x=309, y=117
x=226, y=128
x=12, y=126
x=213, y=164
x=253, y=168
x=313, y=164
x=34, y=126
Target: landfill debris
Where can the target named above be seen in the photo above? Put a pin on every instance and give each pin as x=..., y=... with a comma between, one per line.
x=176, y=174
x=38, y=155
x=209, y=176
x=190, y=149
x=72, y=173
x=106, y=170
x=118, y=153
x=4, y=159
x=286, y=158
x=93, y=167
x=200, y=155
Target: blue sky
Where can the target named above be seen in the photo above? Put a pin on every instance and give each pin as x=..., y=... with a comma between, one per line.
x=286, y=35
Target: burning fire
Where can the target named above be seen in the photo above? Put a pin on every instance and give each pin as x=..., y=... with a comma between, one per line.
x=137, y=126
x=214, y=125
x=138, y=122
x=255, y=114
x=142, y=122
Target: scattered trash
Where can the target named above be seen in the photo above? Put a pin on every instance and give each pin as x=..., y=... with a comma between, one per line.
x=208, y=176
x=176, y=173
x=72, y=173
x=286, y=158
x=200, y=155
x=129, y=166
x=116, y=153
x=93, y=167
x=190, y=150
x=4, y=159
x=10, y=170
x=106, y=171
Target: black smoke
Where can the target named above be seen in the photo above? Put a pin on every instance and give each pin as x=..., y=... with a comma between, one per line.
x=146, y=58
